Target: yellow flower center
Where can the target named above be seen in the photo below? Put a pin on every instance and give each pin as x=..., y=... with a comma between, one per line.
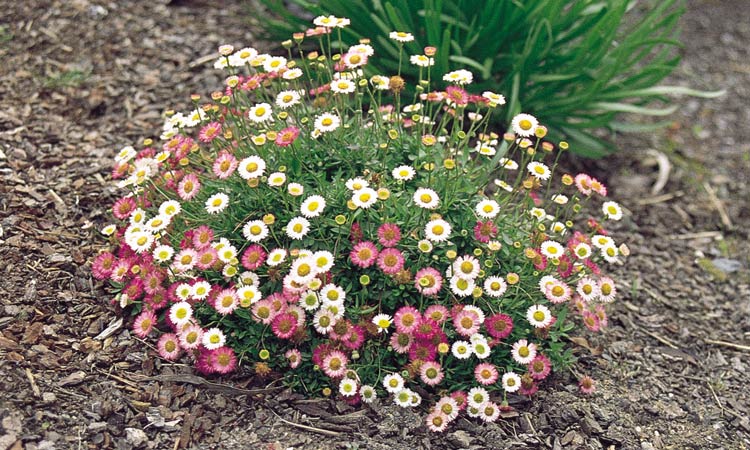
x=303, y=269
x=525, y=124
x=259, y=112
x=523, y=352
x=425, y=198
x=327, y=121
x=557, y=291
x=255, y=229
x=539, y=316
x=215, y=339
x=438, y=230
x=181, y=313
x=297, y=228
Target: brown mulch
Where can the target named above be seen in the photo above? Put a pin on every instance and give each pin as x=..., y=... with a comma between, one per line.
x=79, y=79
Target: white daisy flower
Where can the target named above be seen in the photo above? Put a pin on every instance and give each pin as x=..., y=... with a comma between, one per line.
x=466, y=267
x=460, y=76
x=600, y=241
x=487, y=209
x=401, y=36
x=348, y=387
x=157, y=223
x=297, y=228
x=367, y=393
x=274, y=64
x=200, y=290
x=242, y=57
x=330, y=293
x=327, y=122
x=248, y=295
x=323, y=260
x=383, y=322
x=426, y=198
x=480, y=347
x=309, y=301
x=213, y=338
x=140, y=241
x=539, y=170
x=217, y=203
x=276, y=179
x=248, y=278
x=295, y=189
x=365, y=197
x=303, y=270
x=292, y=74
x=552, y=249
x=539, y=316
x=180, y=313
x=524, y=125
x=462, y=287
x=380, y=83
x=343, y=86
x=276, y=257
x=511, y=382
x=255, y=231
x=170, y=208
x=313, y=206
x=610, y=253
x=495, y=99
x=251, y=167
x=477, y=396
x=125, y=154
x=612, y=210
x=523, y=352
x=287, y=99
x=582, y=250
x=495, y=286
x=393, y=383
x=163, y=253
x=422, y=60
x=503, y=185
x=437, y=230
x=355, y=184
x=461, y=350
x=260, y=113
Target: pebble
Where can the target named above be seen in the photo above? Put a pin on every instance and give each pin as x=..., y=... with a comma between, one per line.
x=135, y=436
x=48, y=397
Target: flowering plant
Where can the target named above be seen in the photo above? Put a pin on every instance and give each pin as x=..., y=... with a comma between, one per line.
x=309, y=221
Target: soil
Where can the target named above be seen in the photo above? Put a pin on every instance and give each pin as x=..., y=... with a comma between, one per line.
x=82, y=78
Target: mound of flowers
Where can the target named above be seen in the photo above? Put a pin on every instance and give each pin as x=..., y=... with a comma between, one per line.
x=307, y=221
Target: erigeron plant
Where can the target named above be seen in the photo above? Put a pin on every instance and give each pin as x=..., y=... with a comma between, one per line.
x=311, y=223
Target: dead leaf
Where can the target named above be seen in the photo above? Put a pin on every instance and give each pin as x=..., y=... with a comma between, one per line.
x=583, y=342
x=72, y=379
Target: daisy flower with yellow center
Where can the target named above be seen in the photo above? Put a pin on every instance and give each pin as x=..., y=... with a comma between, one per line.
x=295, y=189
x=260, y=113
x=403, y=173
x=539, y=170
x=487, y=209
x=292, y=74
x=217, y=203
x=254, y=231
x=437, y=230
x=422, y=60
x=612, y=210
x=460, y=76
x=383, y=322
x=511, y=382
x=343, y=86
x=327, y=122
x=401, y=36
x=313, y=206
x=274, y=64
x=539, y=316
x=297, y=228
x=524, y=125
x=287, y=99
x=426, y=198
x=552, y=249
x=251, y=167
x=365, y=197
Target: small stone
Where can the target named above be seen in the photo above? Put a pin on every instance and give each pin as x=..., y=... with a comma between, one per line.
x=645, y=445
x=135, y=436
x=591, y=426
x=459, y=439
x=48, y=397
x=97, y=426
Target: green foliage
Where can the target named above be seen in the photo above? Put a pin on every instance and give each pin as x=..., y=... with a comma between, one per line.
x=575, y=64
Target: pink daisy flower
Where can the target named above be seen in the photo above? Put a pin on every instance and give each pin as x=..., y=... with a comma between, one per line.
x=226, y=301
x=528, y=386
x=334, y=364
x=169, y=346
x=209, y=132
x=223, y=360
x=448, y=406
x=185, y=260
x=389, y=234
x=207, y=258
x=355, y=338
x=540, y=367
x=284, y=325
x=203, y=362
x=456, y=96
x=152, y=280
x=428, y=281
x=134, y=289
x=157, y=300
x=189, y=187
x=438, y=313
x=485, y=231
x=422, y=350
x=253, y=257
x=587, y=385
x=391, y=261
x=489, y=412
x=102, y=266
x=598, y=187
x=364, y=254
x=431, y=373
x=224, y=165
x=558, y=292
x=564, y=266
x=426, y=329
x=499, y=326
x=294, y=357
x=120, y=270
x=202, y=237
x=591, y=321
x=486, y=374
x=602, y=315
x=460, y=398
x=144, y=323
x=466, y=322
x=263, y=311
x=123, y=207
x=286, y=136
x=437, y=422
x=583, y=183
x=407, y=319
x=401, y=342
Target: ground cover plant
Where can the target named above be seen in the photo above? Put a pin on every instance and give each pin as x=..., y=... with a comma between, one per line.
x=575, y=65
x=401, y=249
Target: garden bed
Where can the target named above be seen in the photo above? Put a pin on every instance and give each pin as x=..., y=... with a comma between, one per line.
x=82, y=79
